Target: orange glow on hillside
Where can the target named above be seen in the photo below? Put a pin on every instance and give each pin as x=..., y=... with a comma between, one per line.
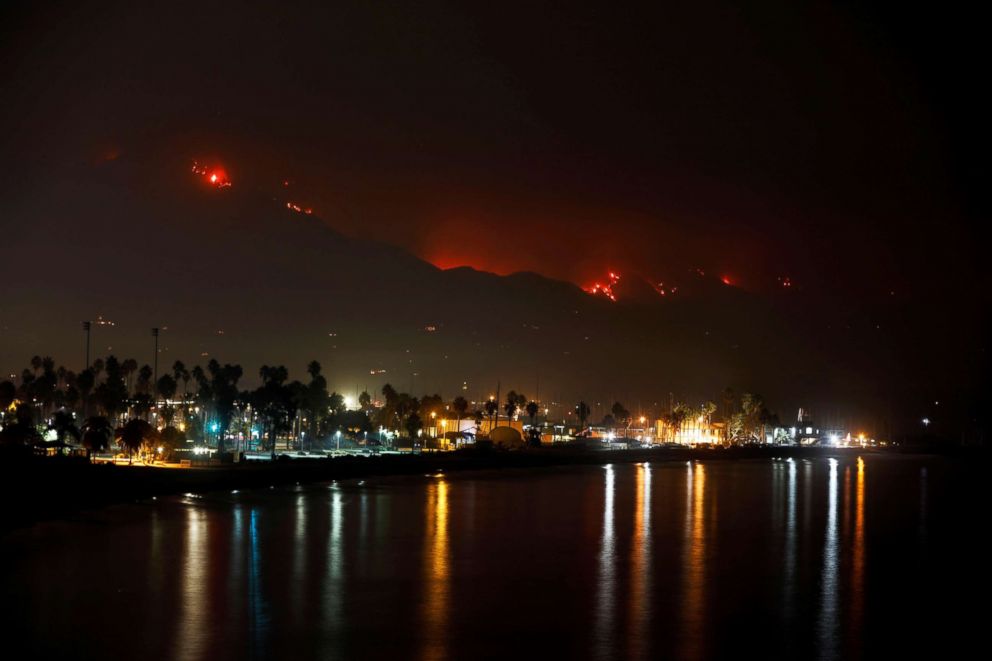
x=446, y=261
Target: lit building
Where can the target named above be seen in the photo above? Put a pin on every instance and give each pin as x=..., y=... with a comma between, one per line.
x=694, y=431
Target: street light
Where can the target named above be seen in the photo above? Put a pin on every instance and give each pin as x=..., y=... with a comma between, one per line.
x=338, y=435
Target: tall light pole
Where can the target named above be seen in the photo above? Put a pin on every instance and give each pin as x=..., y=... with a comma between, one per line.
x=86, y=327
x=155, y=335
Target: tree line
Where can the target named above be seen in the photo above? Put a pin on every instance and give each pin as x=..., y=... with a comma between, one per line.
x=118, y=400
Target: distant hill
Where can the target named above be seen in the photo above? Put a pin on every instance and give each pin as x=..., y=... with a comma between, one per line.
x=234, y=274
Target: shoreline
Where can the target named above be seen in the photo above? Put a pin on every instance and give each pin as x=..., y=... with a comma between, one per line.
x=41, y=489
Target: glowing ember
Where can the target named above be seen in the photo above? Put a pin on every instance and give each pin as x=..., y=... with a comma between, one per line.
x=726, y=280
x=664, y=290
x=606, y=290
x=293, y=206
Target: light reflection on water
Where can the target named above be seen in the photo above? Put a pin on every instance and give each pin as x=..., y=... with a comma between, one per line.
x=641, y=566
x=694, y=562
x=858, y=553
x=789, y=560
x=333, y=583
x=258, y=622
x=436, y=569
x=299, y=548
x=448, y=568
x=606, y=599
x=827, y=621
x=195, y=593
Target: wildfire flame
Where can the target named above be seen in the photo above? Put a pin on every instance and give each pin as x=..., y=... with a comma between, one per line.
x=599, y=288
x=292, y=206
x=215, y=176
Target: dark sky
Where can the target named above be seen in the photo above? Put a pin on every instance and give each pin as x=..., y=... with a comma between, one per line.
x=840, y=144
x=757, y=141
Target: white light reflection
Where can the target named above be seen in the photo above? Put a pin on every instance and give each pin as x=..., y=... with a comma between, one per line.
x=333, y=583
x=605, y=600
x=192, y=636
x=299, y=557
x=790, y=540
x=827, y=625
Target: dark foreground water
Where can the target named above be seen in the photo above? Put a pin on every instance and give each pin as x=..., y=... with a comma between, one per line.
x=753, y=559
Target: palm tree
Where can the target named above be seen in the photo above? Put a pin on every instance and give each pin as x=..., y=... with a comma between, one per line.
x=222, y=388
x=85, y=382
x=144, y=385
x=165, y=387
x=64, y=424
x=387, y=414
x=621, y=415
x=45, y=386
x=752, y=414
x=133, y=435
x=582, y=410
x=128, y=368
x=491, y=407
x=71, y=396
x=413, y=424
x=460, y=406
x=514, y=401
x=728, y=411
x=707, y=410
x=97, y=433
x=405, y=407
x=180, y=373
x=532, y=408
x=112, y=393
x=315, y=401
x=274, y=402
x=8, y=393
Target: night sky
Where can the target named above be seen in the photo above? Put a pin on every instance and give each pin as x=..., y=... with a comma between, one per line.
x=840, y=145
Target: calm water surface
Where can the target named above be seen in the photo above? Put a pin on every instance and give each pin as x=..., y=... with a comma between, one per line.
x=804, y=559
